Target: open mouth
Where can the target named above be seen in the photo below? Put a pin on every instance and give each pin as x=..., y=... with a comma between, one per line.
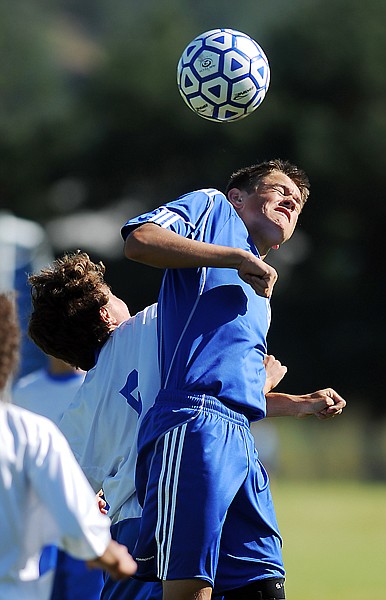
x=284, y=211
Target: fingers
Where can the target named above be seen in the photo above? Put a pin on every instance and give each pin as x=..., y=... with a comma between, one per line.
x=338, y=400
x=269, y=358
x=116, y=560
x=338, y=403
x=101, y=502
x=324, y=414
x=260, y=286
x=258, y=274
x=324, y=404
x=275, y=372
x=334, y=404
x=125, y=568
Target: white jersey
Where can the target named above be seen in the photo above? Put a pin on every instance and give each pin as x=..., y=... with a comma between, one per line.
x=45, y=499
x=47, y=394
x=102, y=422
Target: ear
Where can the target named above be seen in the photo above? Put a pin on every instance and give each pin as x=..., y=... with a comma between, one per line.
x=106, y=317
x=235, y=197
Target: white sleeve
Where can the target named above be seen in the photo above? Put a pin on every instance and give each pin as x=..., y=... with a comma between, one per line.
x=60, y=484
x=79, y=424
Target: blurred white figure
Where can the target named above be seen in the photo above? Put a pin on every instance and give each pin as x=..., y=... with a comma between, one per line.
x=24, y=248
x=49, y=392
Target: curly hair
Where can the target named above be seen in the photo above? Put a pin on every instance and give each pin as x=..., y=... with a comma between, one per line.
x=66, y=300
x=9, y=339
x=247, y=178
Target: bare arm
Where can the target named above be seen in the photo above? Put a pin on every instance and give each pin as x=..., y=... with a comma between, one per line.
x=116, y=560
x=324, y=404
x=159, y=247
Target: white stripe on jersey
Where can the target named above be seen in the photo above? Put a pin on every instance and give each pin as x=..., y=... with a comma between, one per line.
x=172, y=219
x=168, y=484
x=165, y=218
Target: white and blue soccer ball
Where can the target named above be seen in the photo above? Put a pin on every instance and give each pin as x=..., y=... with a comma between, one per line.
x=223, y=75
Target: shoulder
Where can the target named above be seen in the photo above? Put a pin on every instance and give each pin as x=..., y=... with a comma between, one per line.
x=197, y=208
x=182, y=214
x=203, y=197
x=124, y=346
x=28, y=427
x=131, y=339
x=146, y=319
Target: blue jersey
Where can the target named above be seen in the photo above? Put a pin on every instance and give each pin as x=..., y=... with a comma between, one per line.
x=212, y=325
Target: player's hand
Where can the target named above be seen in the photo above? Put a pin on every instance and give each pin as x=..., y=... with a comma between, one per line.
x=275, y=372
x=324, y=404
x=258, y=274
x=101, y=503
x=116, y=560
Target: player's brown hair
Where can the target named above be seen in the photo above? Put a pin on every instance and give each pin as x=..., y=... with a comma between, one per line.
x=9, y=338
x=66, y=298
x=247, y=178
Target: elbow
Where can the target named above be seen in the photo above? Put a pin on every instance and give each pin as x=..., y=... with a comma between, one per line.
x=132, y=248
x=138, y=242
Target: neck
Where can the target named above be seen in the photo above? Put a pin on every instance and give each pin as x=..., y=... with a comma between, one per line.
x=263, y=250
x=265, y=247
x=59, y=367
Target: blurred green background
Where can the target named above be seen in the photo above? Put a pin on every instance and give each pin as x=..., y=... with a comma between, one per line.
x=93, y=131
x=334, y=538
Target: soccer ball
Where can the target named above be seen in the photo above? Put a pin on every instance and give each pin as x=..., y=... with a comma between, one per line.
x=223, y=75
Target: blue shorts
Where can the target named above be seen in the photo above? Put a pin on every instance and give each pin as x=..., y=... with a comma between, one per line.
x=207, y=506
x=74, y=580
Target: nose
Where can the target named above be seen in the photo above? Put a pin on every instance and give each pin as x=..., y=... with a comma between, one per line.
x=289, y=203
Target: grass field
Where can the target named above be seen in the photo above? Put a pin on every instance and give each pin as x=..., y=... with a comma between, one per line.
x=334, y=539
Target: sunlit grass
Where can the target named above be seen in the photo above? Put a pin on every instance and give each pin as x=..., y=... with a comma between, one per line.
x=334, y=539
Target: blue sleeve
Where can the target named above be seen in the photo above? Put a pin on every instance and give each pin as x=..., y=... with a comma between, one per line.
x=183, y=216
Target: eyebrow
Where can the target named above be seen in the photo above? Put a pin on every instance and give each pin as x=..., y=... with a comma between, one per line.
x=297, y=198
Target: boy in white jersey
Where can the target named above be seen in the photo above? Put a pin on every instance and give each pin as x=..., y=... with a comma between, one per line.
x=198, y=477
x=45, y=496
x=76, y=318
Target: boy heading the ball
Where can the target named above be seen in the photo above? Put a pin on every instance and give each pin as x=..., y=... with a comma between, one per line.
x=198, y=475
